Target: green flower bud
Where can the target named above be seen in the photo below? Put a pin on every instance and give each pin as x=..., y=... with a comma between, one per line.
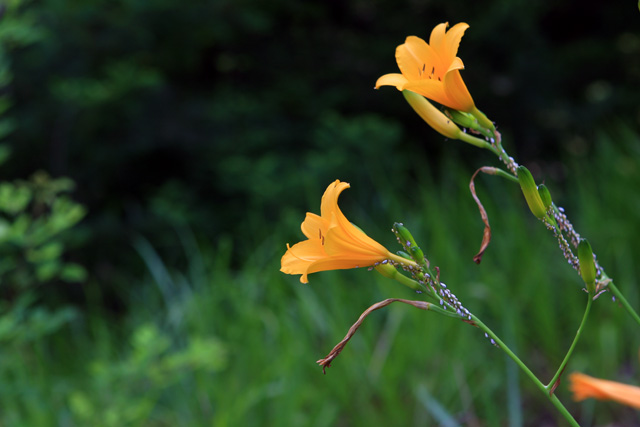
x=545, y=196
x=587, y=265
x=530, y=191
x=417, y=254
x=409, y=242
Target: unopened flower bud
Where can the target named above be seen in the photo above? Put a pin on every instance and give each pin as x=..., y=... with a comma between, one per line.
x=545, y=196
x=587, y=265
x=430, y=114
x=409, y=242
x=530, y=191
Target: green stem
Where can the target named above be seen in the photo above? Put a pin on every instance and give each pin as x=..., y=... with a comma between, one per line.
x=551, y=386
x=624, y=302
x=478, y=142
x=552, y=397
x=503, y=174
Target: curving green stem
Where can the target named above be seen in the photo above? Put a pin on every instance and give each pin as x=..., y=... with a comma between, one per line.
x=552, y=397
x=552, y=384
x=624, y=302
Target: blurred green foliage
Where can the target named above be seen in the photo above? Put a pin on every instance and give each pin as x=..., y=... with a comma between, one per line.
x=32, y=215
x=198, y=134
x=127, y=392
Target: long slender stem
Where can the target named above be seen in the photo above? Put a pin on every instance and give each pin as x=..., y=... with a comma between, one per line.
x=499, y=151
x=624, y=302
x=503, y=174
x=552, y=397
x=552, y=384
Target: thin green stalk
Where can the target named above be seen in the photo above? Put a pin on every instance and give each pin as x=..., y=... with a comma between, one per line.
x=552, y=397
x=624, y=302
x=503, y=174
x=478, y=142
x=552, y=384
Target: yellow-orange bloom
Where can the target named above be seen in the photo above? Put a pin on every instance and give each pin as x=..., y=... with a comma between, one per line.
x=433, y=70
x=584, y=387
x=333, y=242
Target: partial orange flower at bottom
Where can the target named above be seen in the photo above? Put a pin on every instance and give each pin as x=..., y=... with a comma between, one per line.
x=584, y=387
x=333, y=242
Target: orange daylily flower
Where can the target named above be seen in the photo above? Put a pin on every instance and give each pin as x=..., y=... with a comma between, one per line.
x=333, y=242
x=433, y=70
x=584, y=387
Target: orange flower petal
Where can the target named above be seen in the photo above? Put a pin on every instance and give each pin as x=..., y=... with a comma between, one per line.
x=336, y=263
x=456, y=64
x=349, y=241
x=457, y=92
x=301, y=256
x=584, y=387
x=393, y=79
x=430, y=89
x=329, y=202
x=314, y=226
x=437, y=38
x=417, y=60
x=452, y=42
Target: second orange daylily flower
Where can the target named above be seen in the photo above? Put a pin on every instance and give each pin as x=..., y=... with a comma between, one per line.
x=584, y=387
x=433, y=70
x=333, y=242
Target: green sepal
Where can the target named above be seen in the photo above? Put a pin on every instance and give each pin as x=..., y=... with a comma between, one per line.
x=587, y=265
x=467, y=120
x=389, y=271
x=530, y=191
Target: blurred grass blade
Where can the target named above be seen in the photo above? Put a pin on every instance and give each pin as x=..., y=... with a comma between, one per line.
x=158, y=270
x=434, y=408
